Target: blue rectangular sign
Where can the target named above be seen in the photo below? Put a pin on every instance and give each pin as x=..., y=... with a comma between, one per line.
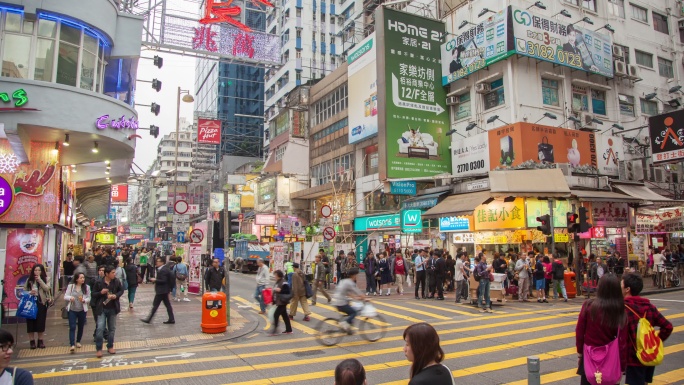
x=404, y=188
x=454, y=224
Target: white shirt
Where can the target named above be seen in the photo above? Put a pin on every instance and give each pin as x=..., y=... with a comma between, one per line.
x=459, y=270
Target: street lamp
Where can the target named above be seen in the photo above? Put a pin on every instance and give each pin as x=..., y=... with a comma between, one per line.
x=187, y=98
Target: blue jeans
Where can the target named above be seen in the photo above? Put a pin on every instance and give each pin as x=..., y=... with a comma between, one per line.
x=108, y=316
x=347, y=309
x=131, y=294
x=259, y=297
x=76, y=318
x=289, y=279
x=483, y=294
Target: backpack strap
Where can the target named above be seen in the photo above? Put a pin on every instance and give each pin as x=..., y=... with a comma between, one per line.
x=635, y=313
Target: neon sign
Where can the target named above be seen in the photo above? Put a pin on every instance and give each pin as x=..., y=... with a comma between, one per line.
x=121, y=123
x=19, y=97
x=223, y=12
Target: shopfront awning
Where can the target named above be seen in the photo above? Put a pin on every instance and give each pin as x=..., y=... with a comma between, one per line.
x=602, y=196
x=545, y=183
x=646, y=194
x=422, y=202
x=458, y=204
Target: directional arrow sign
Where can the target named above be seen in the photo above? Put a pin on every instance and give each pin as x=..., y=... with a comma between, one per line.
x=329, y=233
x=181, y=355
x=436, y=108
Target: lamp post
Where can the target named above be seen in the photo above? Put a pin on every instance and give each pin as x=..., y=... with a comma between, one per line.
x=187, y=98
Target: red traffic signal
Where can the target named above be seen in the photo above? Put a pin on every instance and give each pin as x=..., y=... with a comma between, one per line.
x=584, y=226
x=545, y=226
x=572, y=222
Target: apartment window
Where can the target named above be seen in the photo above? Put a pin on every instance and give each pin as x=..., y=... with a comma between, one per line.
x=586, y=4
x=299, y=33
x=372, y=159
x=298, y=53
x=617, y=8
x=280, y=152
x=462, y=109
x=625, y=54
x=626, y=105
x=496, y=96
x=660, y=23
x=299, y=12
x=639, y=13
x=665, y=68
x=649, y=107
x=580, y=101
x=550, y=94
x=643, y=58
x=598, y=102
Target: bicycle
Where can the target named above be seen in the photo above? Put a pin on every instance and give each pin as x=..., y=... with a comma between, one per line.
x=671, y=274
x=330, y=332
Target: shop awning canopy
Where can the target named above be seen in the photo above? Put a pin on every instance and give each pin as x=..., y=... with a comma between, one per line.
x=646, y=194
x=545, y=183
x=603, y=196
x=458, y=204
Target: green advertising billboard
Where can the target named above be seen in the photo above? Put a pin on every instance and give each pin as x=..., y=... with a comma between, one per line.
x=413, y=118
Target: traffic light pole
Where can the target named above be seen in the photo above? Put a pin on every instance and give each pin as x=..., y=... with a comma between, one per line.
x=579, y=278
x=553, y=237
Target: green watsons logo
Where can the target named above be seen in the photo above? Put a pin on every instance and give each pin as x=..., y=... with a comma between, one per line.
x=359, y=52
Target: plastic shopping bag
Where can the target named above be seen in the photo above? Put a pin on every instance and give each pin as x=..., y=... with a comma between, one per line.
x=368, y=311
x=271, y=314
x=267, y=295
x=27, y=307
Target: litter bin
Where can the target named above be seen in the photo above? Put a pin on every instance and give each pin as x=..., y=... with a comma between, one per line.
x=214, y=316
x=570, y=284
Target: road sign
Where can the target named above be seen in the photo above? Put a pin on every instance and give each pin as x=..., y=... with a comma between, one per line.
x=326, y=211
x=296, y=227
x=329, y=233
x=181, y=218
x=325, y=222
x=181, y=207
x=193, y=210
x=196, y=236
x=180, y=237
x=241, y=217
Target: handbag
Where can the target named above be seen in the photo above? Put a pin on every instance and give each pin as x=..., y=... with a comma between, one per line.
x=28, y=307
x=308, y=289
x=545, y=150
x=602, y=363
x=65, y=313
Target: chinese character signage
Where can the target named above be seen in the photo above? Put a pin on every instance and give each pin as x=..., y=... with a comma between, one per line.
x=537, y=208
x=403, y=188
x=609, y=153
x=137, y=228
x=470, y=156
x=610, y=214
x=464, y=238
x=363, y=91
x=455, y=224
x=234, y=203
x=667, y=137
x=478, y=47
x=120, y=194
x=217, y=11
x=380, y=222
x=566, y=44
x=265, y=219
x=500, y=215
x=543, y=144
x=411, y=221
x=413, y=119
x=208, y=131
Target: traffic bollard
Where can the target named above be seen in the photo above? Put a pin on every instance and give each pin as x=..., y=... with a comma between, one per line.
x=533, y=371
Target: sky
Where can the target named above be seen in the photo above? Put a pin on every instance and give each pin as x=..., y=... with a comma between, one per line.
x=176, y=71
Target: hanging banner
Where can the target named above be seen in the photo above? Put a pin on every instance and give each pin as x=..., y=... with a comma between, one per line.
x=667, y=137
x=609, y=151
x=195, y=266
x=363, y=91
x=478, y=47
x=24, y=249
x=413, y=117
x=470, y=156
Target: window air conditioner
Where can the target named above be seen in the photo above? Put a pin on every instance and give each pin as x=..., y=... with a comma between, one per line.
x=482, y=88
x=618, y=51
x=587, y=119
x=452, y=100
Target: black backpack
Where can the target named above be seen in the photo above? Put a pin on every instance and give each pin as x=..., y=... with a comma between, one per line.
x=477, y=272
x=558, y=271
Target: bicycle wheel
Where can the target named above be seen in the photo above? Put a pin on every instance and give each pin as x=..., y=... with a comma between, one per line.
x=329, y=332
x=675, y=280
x=372, y=331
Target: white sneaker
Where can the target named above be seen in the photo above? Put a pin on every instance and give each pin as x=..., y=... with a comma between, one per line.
x=344, y=325
x=186, y=299
x=367, y=293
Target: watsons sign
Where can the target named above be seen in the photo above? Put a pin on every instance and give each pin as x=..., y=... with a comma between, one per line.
x=408, y=221
x=103, y=122
x=359, y=52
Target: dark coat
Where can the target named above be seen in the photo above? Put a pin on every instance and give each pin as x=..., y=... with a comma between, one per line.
x=97, y=298
x=165, y=281
x=131, y=275
x=213, y=279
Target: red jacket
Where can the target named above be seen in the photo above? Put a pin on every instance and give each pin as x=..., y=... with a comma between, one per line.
x=643, y=306
x=590, y=331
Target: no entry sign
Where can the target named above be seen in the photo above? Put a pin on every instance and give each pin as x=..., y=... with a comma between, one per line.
x=196, y=236
x=329, y=233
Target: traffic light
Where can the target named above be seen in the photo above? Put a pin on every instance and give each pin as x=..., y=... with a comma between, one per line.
x=545, y=226
x=233, y=226
x=584, y=226
x=154, y=131
x=156, y=85
x=158, y=61
x=155, y=109
x=572, y=222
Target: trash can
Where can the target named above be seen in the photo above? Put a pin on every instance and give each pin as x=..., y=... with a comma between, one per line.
x=214, y=316
x=570, y=284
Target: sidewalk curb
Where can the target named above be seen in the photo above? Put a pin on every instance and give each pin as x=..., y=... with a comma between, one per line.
x=669, y=290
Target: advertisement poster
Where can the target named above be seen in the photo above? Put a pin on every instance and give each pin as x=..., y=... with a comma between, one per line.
x=120, y=194
x=234, y=203
x=667, y=137
x=36, y=184
x=477, y=47
x=216, y=201
x=363, y=91
x=278, y=261
x=195, y=266
x=572, y=46
x=470, y=156
x=24, y=249
x=208, y=131
x=413, y=116
x=553, y=145
x=609, y=152
x=537, y=208
x=500, y=215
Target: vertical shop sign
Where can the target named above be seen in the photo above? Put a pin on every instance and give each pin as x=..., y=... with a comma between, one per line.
x=24, y=249
x=667, y=137
x=412, y=114
x=363, y=91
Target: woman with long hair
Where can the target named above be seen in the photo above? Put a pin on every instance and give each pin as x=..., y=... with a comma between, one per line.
x=350, y=372
x=77, y=296
x=423, y=351
x=8, y=374
x=38, y=286
x=601, y=320
x=132, y=278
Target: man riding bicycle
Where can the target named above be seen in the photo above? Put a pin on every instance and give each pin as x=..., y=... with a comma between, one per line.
x=345, y=291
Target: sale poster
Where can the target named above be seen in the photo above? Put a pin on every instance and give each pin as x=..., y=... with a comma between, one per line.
x=24, y=249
